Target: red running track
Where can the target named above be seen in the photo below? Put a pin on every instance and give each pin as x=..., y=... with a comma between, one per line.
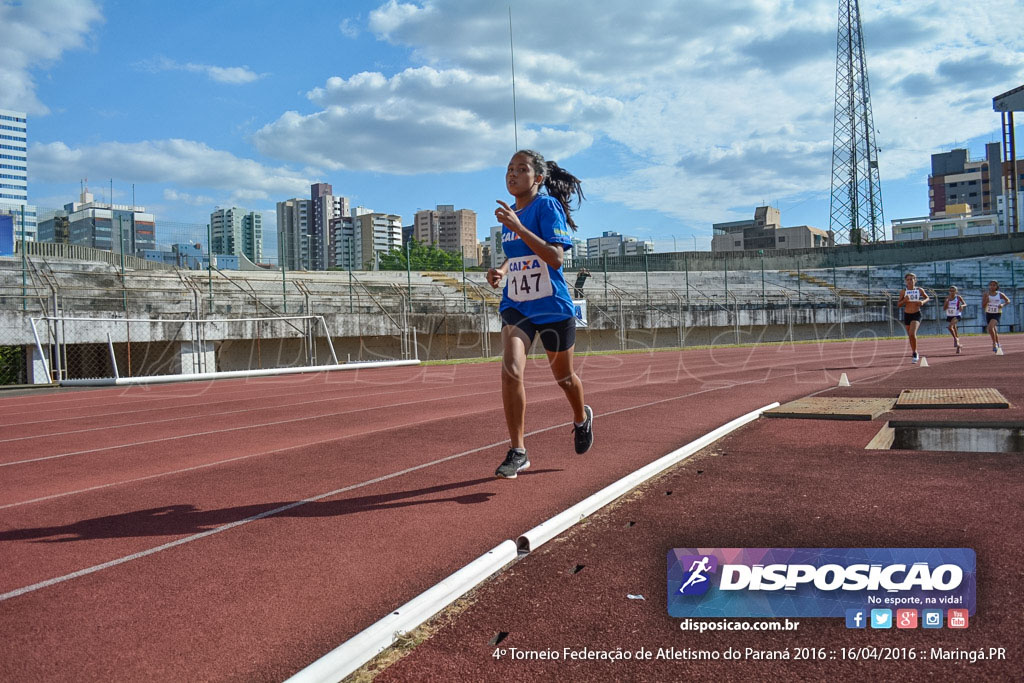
x=240, y=529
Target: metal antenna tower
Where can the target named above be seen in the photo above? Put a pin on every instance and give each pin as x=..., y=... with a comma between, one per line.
x=856, y=206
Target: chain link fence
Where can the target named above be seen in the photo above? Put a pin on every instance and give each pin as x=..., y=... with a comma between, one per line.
x=159, y=316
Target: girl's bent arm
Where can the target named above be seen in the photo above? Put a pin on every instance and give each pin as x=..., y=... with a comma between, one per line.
x=551, y=254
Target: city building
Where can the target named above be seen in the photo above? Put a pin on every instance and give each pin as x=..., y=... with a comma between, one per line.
x=958, y=220
x=346, y=240
x=578, y=251
x=362, y=237
x=957, y=179
x=188, y=256
x=378, y=233
x=613, y=244
x=14, y=173
x=1001, y=206
x=55, y=229
x=121, y=228
x=6, y=235
x=324, y=206
x=237, y=231
x=449, y=230
x=765, y=232
x=293, y=233
x=631, y=246
x=496, y=255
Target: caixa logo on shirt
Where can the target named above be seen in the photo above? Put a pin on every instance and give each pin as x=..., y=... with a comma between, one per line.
x=766, y=582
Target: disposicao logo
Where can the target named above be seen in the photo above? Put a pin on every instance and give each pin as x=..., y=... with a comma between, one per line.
x=817, y=582
x=696, y=580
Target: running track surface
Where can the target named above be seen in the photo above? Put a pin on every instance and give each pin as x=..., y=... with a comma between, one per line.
x=238, y=530
x=773, y=483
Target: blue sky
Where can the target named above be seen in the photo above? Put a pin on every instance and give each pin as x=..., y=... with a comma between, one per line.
x=676, y=114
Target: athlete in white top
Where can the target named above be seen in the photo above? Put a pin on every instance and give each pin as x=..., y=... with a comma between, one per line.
x=993, y=302
x=912, y=300
x=954, y=307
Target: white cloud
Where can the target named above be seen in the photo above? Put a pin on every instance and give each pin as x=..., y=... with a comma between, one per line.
x=425, y=120
x=172, y=195
x=180, y=163
x=231, y=75
x=35, y=34
x=718, y=103
x=349, y=28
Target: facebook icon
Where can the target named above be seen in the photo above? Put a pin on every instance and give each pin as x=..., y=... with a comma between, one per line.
x=856, y=618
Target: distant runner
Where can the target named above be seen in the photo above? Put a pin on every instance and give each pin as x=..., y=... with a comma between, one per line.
x=912, y=299
x=954, y=307
x=536, y=297
x=993, y=302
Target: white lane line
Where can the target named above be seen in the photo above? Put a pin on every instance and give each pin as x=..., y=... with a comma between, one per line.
x=231, y=525
x=154, y=394
x=229, y=429
x=224, y=398
x=249, y=426
x=252, y=455
x=374, y=639
x=594, y=376
x=195, y=537
x=243, y=410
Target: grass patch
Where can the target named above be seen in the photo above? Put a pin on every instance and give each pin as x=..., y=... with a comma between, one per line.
x=700, y=347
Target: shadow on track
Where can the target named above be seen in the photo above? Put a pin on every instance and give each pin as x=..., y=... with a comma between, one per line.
x=181, y=520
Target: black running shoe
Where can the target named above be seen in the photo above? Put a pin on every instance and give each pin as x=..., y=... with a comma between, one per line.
x=515, y=462
x=584, y=434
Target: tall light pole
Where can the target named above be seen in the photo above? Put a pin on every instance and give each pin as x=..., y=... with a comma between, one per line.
x=209, y=262
x=408, y=270
x=283, y=253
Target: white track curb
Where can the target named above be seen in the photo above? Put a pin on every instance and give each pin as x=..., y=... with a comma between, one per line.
x=161, y=379
x=366, y=645
x=545, y=531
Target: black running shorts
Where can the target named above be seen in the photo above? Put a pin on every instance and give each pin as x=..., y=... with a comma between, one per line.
x=911, y=317
x=556, y=336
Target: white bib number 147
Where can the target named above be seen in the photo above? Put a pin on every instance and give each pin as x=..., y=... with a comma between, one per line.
x=528, y=279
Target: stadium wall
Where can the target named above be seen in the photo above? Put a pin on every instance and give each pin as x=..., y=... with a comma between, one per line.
x=882, y=254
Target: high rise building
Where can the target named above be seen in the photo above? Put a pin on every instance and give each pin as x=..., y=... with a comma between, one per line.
x=293, y=233
x=237, y=231
x=362, y=237
x=112, y=227
x=496, y=252
x=14, y=173
x=56, y=228
x=957, y=179
x=324, y=206
x=447, y=229
x=379, y=233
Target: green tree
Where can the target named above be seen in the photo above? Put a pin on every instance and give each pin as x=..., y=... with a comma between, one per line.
x=422, y=257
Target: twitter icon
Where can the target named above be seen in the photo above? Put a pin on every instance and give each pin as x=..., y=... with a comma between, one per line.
x=881, y=618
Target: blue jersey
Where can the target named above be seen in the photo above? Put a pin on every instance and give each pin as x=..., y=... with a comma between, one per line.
x=532, y=287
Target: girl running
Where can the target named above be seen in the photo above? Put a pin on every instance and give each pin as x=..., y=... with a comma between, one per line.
x=993, y=302
x=536, y=297
x=954, y=305
x=912, y=299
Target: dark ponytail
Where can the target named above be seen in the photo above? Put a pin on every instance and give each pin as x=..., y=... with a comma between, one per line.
x=558, y=182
